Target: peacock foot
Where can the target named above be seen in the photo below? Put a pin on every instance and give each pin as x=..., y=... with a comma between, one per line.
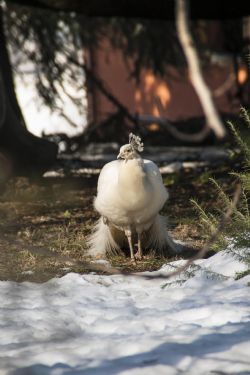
x=138, y=256
x=133, y=260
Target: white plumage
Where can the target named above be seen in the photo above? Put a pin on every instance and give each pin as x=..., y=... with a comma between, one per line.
x=130, y=194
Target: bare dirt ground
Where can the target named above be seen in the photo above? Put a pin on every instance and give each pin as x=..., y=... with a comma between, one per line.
x=44, y=223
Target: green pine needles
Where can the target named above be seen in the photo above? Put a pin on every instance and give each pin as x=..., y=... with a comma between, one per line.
x=237, y=232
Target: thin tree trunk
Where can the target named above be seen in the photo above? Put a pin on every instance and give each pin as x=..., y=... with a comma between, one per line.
x=7, y=76
x=196, y=77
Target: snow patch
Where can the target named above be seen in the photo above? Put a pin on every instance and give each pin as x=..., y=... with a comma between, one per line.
x=92, y=324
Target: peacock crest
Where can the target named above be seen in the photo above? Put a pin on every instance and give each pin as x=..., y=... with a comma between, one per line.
x=135, y=142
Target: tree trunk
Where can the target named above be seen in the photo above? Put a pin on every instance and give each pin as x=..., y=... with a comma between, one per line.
x=194, y=67
x=28, y=154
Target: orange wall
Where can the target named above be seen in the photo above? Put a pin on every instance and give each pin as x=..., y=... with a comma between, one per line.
x=176, y=92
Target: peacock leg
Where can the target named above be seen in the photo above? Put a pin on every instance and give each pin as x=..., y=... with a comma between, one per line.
x=105, y=220
x=140, y=256
x=129, y=237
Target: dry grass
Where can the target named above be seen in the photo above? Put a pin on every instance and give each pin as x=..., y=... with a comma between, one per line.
x=44, y=224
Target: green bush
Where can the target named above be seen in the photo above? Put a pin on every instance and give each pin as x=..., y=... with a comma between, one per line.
x=237, y=232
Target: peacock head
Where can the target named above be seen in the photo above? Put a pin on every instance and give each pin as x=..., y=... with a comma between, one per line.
x=131, y=150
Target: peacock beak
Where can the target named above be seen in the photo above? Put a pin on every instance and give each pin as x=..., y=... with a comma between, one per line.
x=119, y=156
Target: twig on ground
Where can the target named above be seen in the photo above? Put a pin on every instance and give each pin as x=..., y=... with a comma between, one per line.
x=95, y=267
x=224, y=220
x=88, y=266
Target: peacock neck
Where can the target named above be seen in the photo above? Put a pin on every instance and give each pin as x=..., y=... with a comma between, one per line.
x=132, y=179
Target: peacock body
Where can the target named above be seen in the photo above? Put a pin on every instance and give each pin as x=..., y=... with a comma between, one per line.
x=130, y=194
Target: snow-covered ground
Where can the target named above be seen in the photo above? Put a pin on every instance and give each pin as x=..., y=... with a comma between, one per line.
x=197, y=323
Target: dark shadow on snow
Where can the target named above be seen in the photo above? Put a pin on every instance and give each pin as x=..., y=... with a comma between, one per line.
x=168, y=353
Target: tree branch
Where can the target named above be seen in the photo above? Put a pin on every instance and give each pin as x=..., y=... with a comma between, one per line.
x=91, y=266
x=100, y=85
x=196, y=77
x=224, y=220
x=196, y=137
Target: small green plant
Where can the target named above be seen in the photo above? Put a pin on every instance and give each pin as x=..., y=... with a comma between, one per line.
x=238, y=228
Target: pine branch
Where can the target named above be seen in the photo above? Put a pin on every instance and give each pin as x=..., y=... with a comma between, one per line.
x=223, y=222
